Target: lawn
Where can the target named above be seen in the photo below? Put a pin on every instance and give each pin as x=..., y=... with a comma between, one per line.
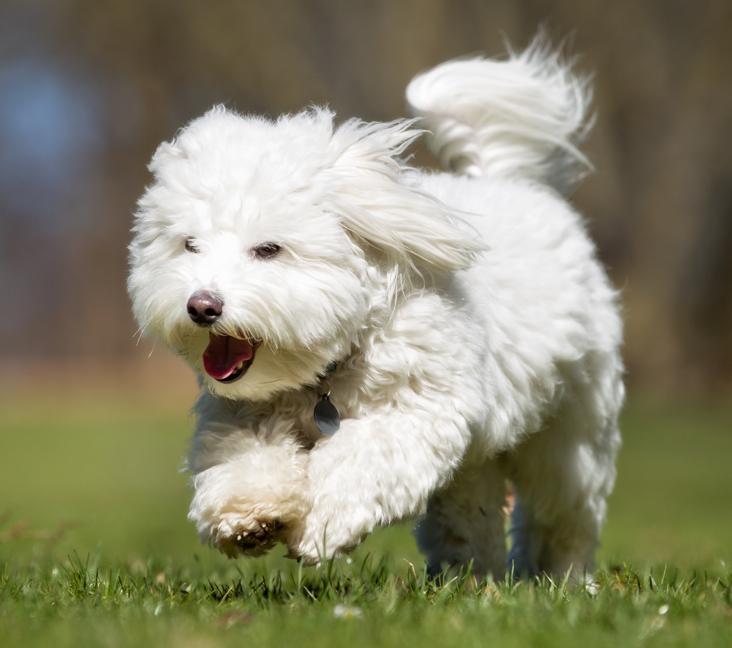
x=95, y=549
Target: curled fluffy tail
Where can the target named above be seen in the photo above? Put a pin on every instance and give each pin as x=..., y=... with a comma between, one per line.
x=523, y=116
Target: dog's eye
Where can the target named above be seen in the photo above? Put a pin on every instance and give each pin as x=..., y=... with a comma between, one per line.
x=266, y=250
x=191, y=245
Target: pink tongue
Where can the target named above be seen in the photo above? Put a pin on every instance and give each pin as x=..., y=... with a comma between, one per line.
x=223, y=353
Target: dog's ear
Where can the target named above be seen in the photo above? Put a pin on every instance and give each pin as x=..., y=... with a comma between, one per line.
x=378, y=204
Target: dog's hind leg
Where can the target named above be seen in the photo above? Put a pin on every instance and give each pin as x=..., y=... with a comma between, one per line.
x=464, y=523
x=563, y=475
x=552, y=536
x=561, y=488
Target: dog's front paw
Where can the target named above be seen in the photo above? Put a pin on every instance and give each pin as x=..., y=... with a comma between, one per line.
x=323, y=537
x=251, y=536
x=247, y=505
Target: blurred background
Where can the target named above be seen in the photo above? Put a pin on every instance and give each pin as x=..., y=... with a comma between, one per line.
x=93, y=429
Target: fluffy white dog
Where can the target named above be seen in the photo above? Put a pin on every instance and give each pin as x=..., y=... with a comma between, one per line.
x=459, y=323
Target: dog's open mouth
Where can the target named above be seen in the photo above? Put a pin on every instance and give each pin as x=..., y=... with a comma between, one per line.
x=227, y=359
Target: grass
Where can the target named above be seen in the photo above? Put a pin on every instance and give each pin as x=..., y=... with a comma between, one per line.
x=95, y=550
x=365, y=603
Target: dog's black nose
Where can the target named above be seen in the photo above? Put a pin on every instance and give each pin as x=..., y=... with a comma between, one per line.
x=204, y=308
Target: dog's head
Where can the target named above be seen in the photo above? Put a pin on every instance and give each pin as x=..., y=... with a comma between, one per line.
x=262, y=248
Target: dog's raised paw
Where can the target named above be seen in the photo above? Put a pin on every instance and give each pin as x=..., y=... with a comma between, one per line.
x=247, y=537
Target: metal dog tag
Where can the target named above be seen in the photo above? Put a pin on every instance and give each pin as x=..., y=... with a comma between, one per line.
x=326, y=416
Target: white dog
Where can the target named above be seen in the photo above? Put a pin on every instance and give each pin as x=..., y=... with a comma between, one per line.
x=460, y=322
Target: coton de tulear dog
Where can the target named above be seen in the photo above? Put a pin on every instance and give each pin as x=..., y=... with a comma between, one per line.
x=376, y=342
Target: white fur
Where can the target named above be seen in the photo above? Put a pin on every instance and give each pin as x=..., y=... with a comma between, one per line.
x=477, y=337
x=517, y=118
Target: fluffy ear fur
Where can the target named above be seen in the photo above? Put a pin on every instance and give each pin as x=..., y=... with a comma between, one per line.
x=377, y=205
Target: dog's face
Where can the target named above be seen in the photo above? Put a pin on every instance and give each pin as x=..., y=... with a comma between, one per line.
x=259, y=252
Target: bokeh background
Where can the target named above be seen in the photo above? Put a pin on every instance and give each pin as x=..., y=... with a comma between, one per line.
x=93, y=424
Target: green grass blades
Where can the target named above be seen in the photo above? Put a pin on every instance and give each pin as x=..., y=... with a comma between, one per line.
x=95, y=550
x=366, y=603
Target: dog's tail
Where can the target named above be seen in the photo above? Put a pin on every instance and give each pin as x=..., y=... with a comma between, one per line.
x=523, y=116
